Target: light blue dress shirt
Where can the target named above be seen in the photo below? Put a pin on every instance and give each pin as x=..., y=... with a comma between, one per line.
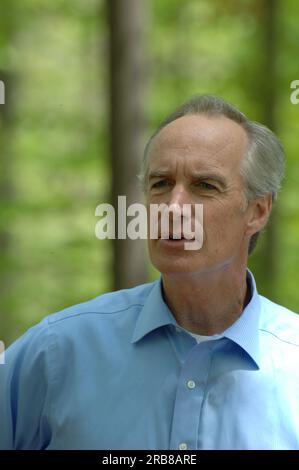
x=117, y=372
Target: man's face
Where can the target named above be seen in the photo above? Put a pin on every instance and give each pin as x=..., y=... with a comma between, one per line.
x=197, y=160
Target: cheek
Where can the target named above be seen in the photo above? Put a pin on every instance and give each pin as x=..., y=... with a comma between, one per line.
x=225, y=223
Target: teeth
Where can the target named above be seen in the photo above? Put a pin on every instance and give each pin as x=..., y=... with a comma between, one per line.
x=172, y=237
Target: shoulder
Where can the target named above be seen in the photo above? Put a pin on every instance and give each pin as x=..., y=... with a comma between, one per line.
x=115, y=311
x=279, y=322
x=108, y=304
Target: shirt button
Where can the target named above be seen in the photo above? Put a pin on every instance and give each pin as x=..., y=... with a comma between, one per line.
x=191, y=384
x=183, y=446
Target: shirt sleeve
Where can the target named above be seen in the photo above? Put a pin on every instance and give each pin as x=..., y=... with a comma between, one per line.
x=25, y=382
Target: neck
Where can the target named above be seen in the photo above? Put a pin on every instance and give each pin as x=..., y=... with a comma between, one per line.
x=207, y=303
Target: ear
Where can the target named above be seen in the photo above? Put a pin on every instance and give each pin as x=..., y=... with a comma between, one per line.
x=259, y=211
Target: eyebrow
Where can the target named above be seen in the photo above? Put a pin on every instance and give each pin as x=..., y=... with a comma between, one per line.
x=158, y=174
x=210, y=175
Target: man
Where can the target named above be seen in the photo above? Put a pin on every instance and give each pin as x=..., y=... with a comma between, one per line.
x=196, y=360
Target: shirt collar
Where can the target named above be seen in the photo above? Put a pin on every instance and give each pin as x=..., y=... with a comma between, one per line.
x=244, y=332
x=154, y=314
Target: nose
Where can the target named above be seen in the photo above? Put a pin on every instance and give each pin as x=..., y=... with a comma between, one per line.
x=178, y=201
x=179, y=196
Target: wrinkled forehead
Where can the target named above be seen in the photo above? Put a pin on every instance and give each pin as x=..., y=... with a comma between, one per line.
x=213, y=139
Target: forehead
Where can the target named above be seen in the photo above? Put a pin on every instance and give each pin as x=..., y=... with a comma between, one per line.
x=200, y=141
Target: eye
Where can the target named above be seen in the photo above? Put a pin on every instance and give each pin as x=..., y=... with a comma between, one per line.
x=160, y=184
x=205, y=185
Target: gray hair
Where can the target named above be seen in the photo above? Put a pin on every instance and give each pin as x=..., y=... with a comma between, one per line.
x=263, y=165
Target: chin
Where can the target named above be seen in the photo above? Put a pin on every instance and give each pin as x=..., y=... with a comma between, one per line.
x=181, y=261
x=174, y=266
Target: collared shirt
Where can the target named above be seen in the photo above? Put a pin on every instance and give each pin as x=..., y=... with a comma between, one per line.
x=118, y=372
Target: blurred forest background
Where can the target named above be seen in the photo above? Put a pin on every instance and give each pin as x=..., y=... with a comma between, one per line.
x=87, y=81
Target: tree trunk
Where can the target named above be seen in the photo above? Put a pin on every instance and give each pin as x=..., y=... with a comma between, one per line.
x=127, y=126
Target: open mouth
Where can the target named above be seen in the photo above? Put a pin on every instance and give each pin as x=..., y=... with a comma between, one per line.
x=177, y=238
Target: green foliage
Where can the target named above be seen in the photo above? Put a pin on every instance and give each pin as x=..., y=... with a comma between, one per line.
x=60, y=165
x=57, y=54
